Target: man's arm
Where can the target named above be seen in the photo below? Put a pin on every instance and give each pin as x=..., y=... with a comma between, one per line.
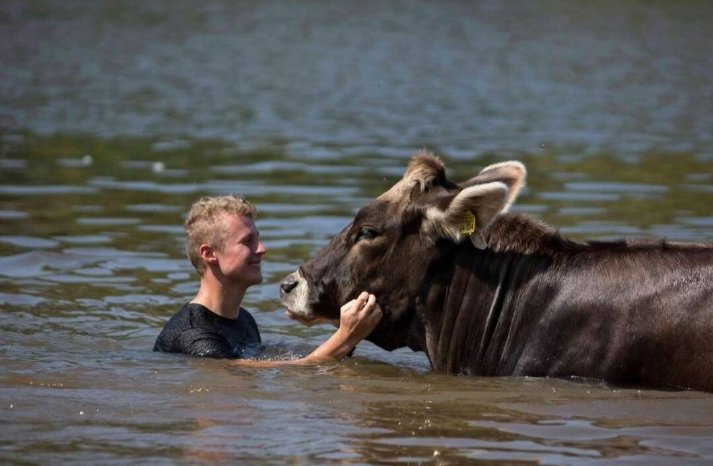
x=357, y=319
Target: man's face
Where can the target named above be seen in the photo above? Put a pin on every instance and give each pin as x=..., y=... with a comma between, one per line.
x=240, y=255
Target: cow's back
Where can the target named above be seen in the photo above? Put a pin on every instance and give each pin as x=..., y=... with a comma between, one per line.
x=629, y=314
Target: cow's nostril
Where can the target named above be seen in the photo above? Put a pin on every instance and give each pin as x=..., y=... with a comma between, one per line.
x=288, y=285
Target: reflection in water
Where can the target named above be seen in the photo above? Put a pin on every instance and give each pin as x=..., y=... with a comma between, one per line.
x=114, y=118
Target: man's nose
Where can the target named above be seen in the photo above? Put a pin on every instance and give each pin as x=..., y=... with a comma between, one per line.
x=261, y=249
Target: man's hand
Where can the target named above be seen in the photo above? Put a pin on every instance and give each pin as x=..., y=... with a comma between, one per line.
x=359, y=317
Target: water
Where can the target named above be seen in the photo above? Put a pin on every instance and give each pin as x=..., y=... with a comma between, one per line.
x=115, y=117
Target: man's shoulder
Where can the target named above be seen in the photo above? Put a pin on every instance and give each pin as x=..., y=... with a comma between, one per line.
x=184, y=318
x=186, y=328
x=246, y=316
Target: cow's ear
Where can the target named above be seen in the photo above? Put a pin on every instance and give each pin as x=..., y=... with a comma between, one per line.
x=468, y=212
x=511, y=173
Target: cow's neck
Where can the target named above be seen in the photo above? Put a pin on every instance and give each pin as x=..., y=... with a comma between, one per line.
x=458, y=329
x=475, y=300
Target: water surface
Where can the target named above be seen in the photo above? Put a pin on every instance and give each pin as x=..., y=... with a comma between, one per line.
x=115, y=117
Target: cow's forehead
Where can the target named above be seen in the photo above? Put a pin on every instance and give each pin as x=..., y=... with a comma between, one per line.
x=377, y=211
x=398, y=194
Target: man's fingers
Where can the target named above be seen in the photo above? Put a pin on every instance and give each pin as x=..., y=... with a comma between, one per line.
x=368, y=304
x=346, y=306
x=357, y=303
x=371, y=300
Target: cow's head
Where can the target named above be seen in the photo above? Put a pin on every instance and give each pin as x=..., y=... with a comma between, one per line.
x=393, y=241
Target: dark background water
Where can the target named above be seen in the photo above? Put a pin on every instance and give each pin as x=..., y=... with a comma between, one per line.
x=115, y=116
x=465, y=77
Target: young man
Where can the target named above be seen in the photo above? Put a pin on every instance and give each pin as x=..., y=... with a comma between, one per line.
x=224, y=246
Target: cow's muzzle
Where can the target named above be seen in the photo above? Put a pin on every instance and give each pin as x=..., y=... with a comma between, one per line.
x=288, y=284
x=294, y=295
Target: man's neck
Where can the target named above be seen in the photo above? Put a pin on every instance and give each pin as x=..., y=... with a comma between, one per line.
x=221, y=300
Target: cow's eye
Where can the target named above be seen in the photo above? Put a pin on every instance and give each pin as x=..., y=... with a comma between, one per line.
x=366, y=233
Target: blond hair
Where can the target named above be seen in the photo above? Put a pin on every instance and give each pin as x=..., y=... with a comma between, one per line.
x=204, y=224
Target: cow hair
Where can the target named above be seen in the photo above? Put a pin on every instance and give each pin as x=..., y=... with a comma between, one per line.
x=524, y=234
x=424, y=169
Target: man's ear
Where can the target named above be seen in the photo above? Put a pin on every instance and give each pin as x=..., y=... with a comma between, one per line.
x=207, y=253
x=511, y=173
x=468, y=212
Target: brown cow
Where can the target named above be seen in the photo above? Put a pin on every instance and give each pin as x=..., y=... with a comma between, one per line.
x=484, y=292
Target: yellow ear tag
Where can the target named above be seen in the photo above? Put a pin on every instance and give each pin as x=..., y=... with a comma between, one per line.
x=467, y=226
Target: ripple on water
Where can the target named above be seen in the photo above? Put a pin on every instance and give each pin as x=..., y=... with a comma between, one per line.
x=578, y=196
x=151, y=186
x=28, y=242
x=84, y=239
x=32, y=264
x=601, y=228
x=20, y=299
x=256, y=188
x=598, y=187
x=153, y=208
x=172, y=230
x=108, y=221
x=705, y=222
x=13, y=215
x=43, y=190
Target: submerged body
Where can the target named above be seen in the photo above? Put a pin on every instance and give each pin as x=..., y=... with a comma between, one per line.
x=484, y=292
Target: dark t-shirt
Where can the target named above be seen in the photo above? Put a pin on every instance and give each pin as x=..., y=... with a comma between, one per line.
x=196, y=331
